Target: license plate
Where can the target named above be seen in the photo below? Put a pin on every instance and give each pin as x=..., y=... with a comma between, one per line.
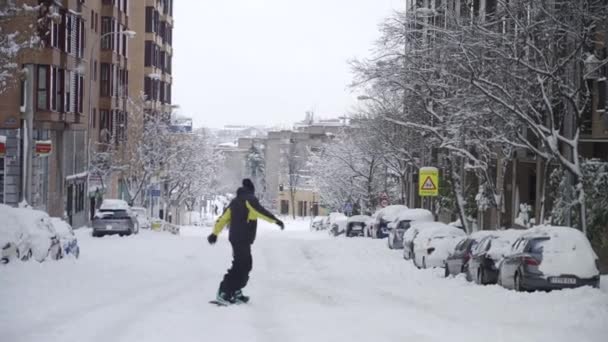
x=109, y=227
x=565, y=281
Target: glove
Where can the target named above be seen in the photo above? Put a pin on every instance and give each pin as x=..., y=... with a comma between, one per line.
x=212, y=238
x=281, y=224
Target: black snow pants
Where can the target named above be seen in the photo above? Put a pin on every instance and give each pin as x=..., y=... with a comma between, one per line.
x=238, y=275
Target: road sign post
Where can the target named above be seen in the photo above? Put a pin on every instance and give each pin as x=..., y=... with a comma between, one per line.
x=428, y=182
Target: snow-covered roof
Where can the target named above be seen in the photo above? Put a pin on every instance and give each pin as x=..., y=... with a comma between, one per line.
x=501, y=242
x=567, y=251
x=390, y=212
x=415, y=215
x=114, y=204
x=429, y=230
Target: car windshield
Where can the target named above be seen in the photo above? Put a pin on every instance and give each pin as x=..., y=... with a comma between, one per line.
x=404, y=225
x=537, y=246
x=112, y=214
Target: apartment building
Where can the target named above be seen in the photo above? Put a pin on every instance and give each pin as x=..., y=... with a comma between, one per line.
x=75, y=89
x=152, y=55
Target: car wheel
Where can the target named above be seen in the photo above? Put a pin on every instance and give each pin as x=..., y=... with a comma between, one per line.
x=423, y=262
x=446, y=272
x=517, y=282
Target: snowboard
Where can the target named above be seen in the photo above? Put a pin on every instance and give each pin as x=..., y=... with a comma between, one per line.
x=216, y=303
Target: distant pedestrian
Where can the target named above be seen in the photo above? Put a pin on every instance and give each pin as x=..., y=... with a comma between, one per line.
x=241, y=214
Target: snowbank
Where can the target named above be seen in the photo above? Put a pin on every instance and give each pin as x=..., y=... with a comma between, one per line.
x=568, y=251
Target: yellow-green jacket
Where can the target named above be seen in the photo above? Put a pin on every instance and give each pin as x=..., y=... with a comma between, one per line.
x=242, y=215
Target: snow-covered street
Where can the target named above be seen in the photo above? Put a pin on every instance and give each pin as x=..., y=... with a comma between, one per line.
x=304, y=287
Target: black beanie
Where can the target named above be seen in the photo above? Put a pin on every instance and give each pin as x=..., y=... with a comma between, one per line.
x=248, y=184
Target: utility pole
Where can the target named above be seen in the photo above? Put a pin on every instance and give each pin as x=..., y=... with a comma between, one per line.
x=28, y=132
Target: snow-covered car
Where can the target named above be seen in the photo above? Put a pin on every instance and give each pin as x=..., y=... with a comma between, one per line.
x=383, y=217
x=114, y=217
x=458, y=260
x=316, y=223
x=338, y=225
x=548, y=258
x=142, y=217
x=433, y=243
x=355, y=225
x=403, y=222
x=27, y=233
x=488, y=254
x=69, y=242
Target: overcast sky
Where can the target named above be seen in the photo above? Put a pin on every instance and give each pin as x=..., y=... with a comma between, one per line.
x=266, y=62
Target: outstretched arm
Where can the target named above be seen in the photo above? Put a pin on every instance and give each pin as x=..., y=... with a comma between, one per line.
x=222, y=222
x=256, y=210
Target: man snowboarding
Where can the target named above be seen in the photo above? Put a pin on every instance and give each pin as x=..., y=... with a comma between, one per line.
x=241, y=214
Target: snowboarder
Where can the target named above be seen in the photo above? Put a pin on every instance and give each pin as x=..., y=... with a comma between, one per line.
x=241, y=214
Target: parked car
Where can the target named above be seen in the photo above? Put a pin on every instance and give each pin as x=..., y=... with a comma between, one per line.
x=114, y=217
x=67, y=238
x=355, y=225
x=548, y=258
x=488, y=254
x=458, y=260
x=329, y=219
x=383, y=217
x=338, y=224
x=403, y=222
x=317, y=223
x=433, y=244
x=142, y=217
x=26, y=233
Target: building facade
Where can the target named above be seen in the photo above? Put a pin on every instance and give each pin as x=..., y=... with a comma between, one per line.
x=79, y=90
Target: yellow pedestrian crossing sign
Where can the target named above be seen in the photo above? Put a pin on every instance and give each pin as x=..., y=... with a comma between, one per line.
x=428, y=181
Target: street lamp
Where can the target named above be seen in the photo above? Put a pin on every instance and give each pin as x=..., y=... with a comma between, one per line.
x=128, y=34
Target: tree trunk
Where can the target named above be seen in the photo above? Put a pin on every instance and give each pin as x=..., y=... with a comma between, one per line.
x=458, y=193
x=292, y=195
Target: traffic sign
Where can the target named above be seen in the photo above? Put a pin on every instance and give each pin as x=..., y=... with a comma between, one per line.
x=428, y=182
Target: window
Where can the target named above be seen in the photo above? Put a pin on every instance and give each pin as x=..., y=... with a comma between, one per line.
x=68, y=33
x=69, y=106
x=94, y=117
x=59, y=78
x=43, y=87
x=150, y=19
x=92, y=20
x=106, y=27
x=284, y=207
x=149, y=54
x=105, y=79
x=95, y=71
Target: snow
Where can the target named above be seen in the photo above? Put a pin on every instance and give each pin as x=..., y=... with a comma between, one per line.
x=502, y=243
x=114, y=204
x=390, y=213
x=415, y=215
x=28, y=229
x=566, y=252
x=77, y=176
x=2, y=139
x=305, y=286
x=439, y=235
